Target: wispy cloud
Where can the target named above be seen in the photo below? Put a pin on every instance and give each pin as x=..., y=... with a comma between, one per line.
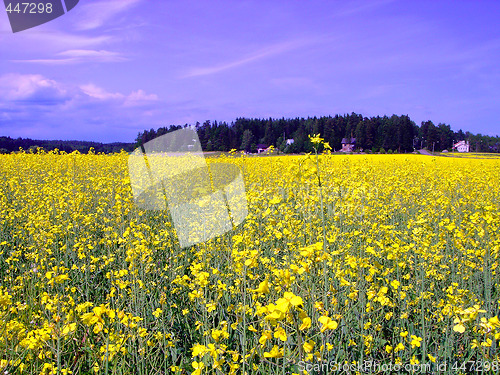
x=272, y=50
x=52, y=41
x=97, y=92
x=138, y=98
x=79, y=56
x=134, y=99
x=96, y=13
x=359, y=7
x=77, y=53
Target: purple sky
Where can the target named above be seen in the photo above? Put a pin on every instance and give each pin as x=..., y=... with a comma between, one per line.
x=111, y=68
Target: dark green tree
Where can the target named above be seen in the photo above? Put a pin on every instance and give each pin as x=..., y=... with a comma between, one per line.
x=247, y=140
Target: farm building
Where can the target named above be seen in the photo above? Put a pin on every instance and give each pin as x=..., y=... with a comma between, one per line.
x=348, y=144
x=462, y=146
x=261, y=148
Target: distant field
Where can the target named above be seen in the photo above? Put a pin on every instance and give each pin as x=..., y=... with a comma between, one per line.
x=391, y=258
x=483, y=155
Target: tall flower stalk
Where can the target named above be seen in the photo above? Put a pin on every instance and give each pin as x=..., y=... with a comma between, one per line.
x=317, y=141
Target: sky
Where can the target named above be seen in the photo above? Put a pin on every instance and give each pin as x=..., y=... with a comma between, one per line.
x=109, y=69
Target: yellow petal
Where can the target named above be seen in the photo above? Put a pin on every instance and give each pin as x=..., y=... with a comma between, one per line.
x=459, y=328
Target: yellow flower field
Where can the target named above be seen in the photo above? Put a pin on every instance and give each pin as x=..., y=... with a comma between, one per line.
x=476, y=155
x=392, y=258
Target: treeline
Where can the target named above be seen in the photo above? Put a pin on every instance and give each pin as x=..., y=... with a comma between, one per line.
x=8, y=145
x=395, y=133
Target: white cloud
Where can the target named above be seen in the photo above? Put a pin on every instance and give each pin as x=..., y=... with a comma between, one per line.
x=38, y=107
x=86, y=53
x=99, y=93
x=78, y=56
x=134, y=99
x=271, y=50
x=96, y=13
x=139, y=97
x=59, y=40
x=30, y=86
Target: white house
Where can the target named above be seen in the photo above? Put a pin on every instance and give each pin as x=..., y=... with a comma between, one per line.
x=462, y=146
x=290, y=141
x=261, y=148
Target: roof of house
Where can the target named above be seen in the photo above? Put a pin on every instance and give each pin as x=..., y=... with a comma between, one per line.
x=348, y=141
x=261, y=145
